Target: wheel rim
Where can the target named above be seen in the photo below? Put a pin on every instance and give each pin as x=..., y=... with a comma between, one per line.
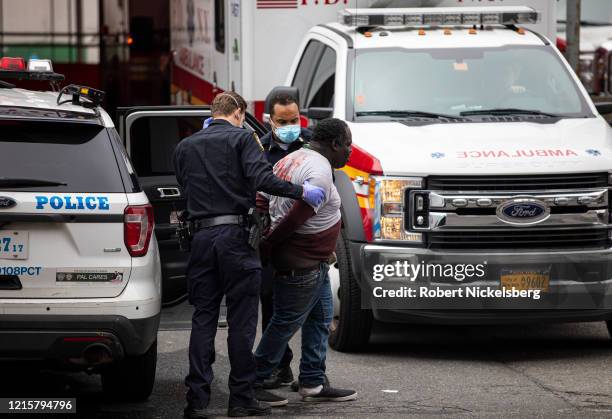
x=334, y=279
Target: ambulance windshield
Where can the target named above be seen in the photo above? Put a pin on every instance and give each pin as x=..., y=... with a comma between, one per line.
x=460, y=81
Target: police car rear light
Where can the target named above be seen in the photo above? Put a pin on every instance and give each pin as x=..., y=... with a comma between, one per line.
x=442, y=16
x=12, y=64
x=40, y=65
x=137, y=228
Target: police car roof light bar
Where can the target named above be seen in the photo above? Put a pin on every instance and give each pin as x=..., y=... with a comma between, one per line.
x=439, y=16
x=38, y=70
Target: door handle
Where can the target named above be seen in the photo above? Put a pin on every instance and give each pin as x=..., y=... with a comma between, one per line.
x=169, y=192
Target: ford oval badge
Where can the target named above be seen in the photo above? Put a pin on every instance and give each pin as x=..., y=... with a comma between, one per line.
x=6, y=202
x=523, y=211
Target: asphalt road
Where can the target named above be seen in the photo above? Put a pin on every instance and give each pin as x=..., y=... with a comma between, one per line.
x=407, y=371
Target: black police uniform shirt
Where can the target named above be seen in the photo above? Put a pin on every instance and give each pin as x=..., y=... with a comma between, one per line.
x=274, y=152
x=221, y=168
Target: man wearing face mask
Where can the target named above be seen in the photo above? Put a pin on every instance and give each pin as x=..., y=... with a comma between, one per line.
x=220, y=169
x=285, y=137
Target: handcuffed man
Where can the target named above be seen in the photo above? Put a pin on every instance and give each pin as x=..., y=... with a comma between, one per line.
x=302, y=239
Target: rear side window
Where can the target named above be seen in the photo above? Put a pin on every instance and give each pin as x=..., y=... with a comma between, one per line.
x=153, y=140
x=77, y=154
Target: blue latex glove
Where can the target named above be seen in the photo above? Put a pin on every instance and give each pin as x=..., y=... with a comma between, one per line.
x=207, y=122
x=313, y=195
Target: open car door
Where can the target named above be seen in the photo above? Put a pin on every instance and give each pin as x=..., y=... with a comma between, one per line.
x=150, y=135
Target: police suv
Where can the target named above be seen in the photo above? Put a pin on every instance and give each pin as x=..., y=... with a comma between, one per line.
x=474, y=143
x=80, y=277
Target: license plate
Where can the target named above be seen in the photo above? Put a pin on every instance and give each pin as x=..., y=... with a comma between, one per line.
x=83, y=276
x=174, y=218
x=525, y=279
x=13, y=245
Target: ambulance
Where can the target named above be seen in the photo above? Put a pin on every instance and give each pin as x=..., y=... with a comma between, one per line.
x=475, y=149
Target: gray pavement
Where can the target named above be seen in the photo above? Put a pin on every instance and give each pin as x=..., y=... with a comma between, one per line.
x=407, y=371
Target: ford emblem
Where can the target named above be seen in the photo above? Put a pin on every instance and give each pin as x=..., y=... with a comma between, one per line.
x=6, y=202
x=523, y=211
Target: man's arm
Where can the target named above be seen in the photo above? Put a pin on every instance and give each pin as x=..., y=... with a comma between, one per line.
x=262, y=203
x=296, y=217
x=259, y=172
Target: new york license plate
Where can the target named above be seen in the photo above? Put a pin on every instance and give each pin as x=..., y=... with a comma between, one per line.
x=526, y=279
x=13, y=245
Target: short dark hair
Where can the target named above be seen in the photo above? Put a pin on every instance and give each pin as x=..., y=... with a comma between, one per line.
x=226, y=103
x=330, y=129
x=282, y=99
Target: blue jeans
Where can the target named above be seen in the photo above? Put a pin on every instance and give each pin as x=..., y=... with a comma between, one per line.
x=299, y=301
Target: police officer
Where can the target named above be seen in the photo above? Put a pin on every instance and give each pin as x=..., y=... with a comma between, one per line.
x=286, y=136
x=220, y=169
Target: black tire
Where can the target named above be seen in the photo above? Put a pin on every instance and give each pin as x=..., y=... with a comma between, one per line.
x=131, y=379
x=350, y=331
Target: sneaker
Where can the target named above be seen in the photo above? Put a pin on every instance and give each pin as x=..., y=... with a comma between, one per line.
x=326, y=393
x=279, y=378
x=254, y=409
x=270, y=399
x=295, y=386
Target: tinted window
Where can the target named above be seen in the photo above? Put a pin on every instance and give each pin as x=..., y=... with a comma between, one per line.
x=304, y=72
x=321, y=91
x=79, y=155
x=153, y=140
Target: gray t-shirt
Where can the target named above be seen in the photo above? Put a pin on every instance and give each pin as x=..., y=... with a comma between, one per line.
x=297, y=167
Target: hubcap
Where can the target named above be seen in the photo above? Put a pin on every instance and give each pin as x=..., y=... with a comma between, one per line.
x=334, y=279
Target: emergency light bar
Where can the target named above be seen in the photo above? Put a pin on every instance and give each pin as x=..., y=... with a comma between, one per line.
x=16, y=68
x=440, y=16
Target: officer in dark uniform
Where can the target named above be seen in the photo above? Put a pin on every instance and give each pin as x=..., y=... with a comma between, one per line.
x=220, y=169
x=286, y=136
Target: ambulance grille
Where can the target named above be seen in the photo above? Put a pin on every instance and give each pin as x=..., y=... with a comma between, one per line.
x=580, y=238
x=520, y=183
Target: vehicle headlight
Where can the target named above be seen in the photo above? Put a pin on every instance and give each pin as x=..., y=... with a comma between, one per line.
x=390, y=214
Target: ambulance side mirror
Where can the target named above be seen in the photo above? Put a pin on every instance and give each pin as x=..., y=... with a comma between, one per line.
x=317, y=114
x=605, y=109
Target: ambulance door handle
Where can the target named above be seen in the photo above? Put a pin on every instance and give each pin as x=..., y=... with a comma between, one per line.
x=169, y=192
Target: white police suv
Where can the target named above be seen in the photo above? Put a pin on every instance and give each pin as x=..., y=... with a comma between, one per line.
x=475, y=144
x=80, y=281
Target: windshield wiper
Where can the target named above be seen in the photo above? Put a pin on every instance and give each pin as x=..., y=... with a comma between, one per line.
x=508, y=111
x=26, y=182
x=408, y=114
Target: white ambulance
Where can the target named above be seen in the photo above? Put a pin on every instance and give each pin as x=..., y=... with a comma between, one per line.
x=474, y=143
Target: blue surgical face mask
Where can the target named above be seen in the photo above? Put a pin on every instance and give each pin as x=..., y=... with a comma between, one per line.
x=288, y=133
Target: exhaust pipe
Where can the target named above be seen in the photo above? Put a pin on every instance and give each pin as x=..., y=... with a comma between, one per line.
x=97, y=354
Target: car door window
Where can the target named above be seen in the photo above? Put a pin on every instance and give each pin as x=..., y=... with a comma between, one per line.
x=306, y=67
x=321, y=90
x=153, y=140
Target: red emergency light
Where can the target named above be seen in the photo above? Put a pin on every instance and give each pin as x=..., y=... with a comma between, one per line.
x=12, y=64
